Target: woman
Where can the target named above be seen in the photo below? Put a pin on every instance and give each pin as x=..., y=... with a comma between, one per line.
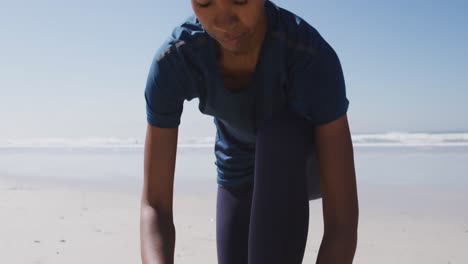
x=276, y=91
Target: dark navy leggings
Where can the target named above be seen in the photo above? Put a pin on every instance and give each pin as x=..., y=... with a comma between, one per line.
x=268, y=221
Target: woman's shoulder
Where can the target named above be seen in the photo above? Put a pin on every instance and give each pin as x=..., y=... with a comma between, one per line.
x=179, y=58
x=185, y=38
x=296, y=34
x=177, y=61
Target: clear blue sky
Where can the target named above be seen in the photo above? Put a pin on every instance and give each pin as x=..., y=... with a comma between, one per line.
x=78, y=69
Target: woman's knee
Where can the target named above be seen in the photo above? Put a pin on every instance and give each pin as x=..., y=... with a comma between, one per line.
x=285, y=128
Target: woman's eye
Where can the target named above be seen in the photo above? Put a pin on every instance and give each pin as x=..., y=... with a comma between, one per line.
x=202, y=5
x=237, y=2
x=240, y=2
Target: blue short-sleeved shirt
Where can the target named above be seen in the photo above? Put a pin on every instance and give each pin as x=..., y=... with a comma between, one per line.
x=297, y=68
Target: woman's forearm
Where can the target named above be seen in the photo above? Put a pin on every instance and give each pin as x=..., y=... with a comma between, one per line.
x=337, y=249
x=157, y=237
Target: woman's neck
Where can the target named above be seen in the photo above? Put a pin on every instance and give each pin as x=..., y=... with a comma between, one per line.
x=244, y=62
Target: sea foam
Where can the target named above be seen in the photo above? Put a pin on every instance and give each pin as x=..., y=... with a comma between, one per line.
x=390, y=139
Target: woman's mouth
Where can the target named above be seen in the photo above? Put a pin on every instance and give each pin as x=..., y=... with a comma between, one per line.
x=233, y=40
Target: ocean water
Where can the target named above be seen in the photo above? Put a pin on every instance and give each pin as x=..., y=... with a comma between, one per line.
x=106, y=168
x=434, y=167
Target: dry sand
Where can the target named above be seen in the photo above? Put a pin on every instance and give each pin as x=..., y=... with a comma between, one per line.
x=78, y=224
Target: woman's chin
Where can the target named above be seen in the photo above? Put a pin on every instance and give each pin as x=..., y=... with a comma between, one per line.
x=234, y=47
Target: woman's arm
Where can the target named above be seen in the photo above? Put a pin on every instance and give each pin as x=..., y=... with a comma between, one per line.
x=339, y=192
x=157, y=230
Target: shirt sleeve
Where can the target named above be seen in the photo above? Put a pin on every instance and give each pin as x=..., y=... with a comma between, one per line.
x=164, y=95
x=318, y=86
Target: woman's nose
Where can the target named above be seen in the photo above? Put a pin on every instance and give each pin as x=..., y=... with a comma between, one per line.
x=226, y=21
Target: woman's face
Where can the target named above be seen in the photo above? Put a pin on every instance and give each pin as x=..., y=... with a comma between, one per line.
x=235, y=24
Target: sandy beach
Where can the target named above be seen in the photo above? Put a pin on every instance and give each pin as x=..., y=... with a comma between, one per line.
x=71, y=225
x=79, y=221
